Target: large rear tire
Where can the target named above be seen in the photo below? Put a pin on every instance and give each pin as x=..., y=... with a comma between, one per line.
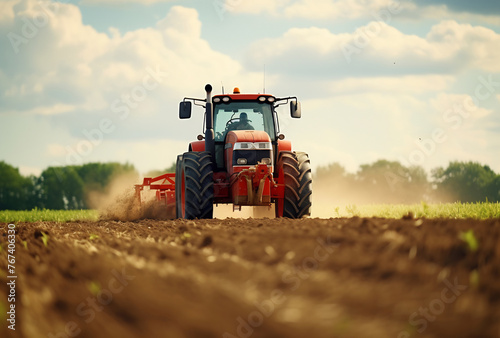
x=194, y=186
x=294, y=169
x=178, y=186
x=305, y=180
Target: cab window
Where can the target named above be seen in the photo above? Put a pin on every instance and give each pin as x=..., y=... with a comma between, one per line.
x=227, y=118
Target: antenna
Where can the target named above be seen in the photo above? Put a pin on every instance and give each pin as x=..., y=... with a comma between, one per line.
x=222, y=84
x=264, y=84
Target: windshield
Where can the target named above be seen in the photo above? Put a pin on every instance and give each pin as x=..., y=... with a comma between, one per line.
x=243, y=115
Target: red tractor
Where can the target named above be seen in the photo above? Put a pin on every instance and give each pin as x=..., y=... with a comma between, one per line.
x=242, y=160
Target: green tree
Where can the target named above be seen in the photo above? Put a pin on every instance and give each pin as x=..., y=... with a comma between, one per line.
x=494, y=190
x=467, y=182
x=391, y=182
x=60, y=188
x=15, y=189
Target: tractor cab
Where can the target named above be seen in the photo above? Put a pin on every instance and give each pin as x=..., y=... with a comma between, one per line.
x=238, y=112
x=240, y=121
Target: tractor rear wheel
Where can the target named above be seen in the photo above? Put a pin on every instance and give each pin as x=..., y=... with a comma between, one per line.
x=178, y=186
x=194, y=186
x=294, y=169
x=305, y=180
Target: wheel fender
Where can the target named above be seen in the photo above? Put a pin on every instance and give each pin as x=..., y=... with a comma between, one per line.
x=197, y=146
x=284, y=145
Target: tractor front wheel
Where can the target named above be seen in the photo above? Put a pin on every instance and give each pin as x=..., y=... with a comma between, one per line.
x=194, y=185
x=294, y=170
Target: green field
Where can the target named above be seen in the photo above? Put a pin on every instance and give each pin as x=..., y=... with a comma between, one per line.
x=36, y=215
x=482, y=210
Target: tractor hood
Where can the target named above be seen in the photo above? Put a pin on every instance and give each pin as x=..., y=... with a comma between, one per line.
x=247, y=136
x=245, y=148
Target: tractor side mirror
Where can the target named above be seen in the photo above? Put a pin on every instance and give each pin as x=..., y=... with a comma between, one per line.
x=295, y=110
x=185, y=109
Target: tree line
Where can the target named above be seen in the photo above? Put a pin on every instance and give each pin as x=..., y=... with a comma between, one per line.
x=390, y=182
x=383, y=181
x=57, y=188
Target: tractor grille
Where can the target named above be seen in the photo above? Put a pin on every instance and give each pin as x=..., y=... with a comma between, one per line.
x=252, y=156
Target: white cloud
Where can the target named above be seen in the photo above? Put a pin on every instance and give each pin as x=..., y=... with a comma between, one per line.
x=121, y=2
x=378, y=49
x=6, y=10
x=465, y=144
x=181, y=21
x=54, y=55
x=55, y=150
x=452, y=107
x=275, y=7
x=328, y=9
x=475, y=44
x=466, y=128
x=358, y=124
x=146, y=155
x=298, y=50
x=416, y=84
x=414, y=12
x=68, y=75
x=311, y=9
x=77, y=66
x=51, y=110
x=27, y=171
x=384, y=10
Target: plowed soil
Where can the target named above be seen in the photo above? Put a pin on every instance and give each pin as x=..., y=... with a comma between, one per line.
x=345, y=277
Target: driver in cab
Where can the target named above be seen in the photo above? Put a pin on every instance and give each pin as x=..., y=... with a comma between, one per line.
x=242, y=124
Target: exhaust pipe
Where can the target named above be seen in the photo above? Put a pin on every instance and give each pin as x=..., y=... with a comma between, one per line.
x=209, y=118
x=208, y=89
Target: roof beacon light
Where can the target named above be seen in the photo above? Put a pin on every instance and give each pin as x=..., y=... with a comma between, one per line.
x=236, y=90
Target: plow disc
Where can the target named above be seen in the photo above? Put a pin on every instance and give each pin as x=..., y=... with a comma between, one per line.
x=163, y=203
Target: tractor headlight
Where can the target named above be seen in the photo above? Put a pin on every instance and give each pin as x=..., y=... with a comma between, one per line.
x=243, y=145
x=269, y=99
x=226, y=99
x=241, y=161
x=216, y=99
x=251, y=145
x=266, y=161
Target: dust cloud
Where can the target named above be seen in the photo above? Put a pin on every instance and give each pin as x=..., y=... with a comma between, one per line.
x=333, y=197
x=330, y=198
x=329, y=202
x=118, y=202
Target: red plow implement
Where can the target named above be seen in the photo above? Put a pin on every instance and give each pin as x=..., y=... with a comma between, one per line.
x=164, y=186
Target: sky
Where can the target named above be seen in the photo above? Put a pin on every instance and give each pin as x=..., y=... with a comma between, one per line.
x=101, y=80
